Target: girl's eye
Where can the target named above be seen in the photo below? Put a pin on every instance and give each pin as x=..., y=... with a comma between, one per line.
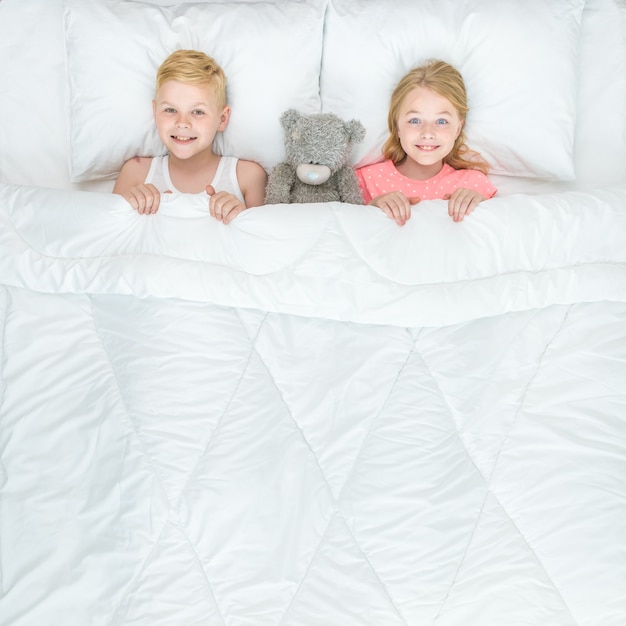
x=414, y=120
x=442, y=122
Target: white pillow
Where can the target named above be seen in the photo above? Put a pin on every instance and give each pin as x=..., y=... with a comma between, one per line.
x=271, y=54
x=601, y=157
x=518, y=60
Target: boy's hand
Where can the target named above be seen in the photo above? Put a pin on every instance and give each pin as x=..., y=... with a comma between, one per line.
x=144, y=198
x=224, y=206
x=462, y=202
x=395, y=205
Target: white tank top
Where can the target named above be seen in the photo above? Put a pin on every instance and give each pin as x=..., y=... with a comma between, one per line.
x=225, y=178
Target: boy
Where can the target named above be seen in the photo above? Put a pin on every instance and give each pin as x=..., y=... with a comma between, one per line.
x=189, y=110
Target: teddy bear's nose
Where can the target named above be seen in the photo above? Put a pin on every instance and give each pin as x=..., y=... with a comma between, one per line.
x=313, y=174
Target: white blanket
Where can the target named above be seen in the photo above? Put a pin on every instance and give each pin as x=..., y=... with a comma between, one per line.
x=332, y=260
x=312, y=416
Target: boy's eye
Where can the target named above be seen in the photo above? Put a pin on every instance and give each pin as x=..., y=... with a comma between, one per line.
x=170, y=110
x=198, y=112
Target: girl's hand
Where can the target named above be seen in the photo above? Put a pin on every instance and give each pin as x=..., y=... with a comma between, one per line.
x=143, y=198
x=224, y=206
x=462, y=202
x=395, y=205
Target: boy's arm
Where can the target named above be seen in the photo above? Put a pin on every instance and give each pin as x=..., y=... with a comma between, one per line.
x=251, y=177
x=252, y=180
x=130, y=184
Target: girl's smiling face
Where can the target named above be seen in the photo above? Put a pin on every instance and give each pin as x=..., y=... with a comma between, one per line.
x=188, y=117
x=428, y=125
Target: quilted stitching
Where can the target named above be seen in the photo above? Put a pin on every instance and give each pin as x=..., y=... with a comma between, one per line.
x=236, y=467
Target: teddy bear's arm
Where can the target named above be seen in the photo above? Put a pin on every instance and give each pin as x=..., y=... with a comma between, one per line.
x=279, y=184
x=348, y=186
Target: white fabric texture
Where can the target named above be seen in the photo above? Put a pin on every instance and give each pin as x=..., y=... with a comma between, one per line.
x=114, y=49
x=601, y=157
x=508, y=52
x=335, y=260
x=168, y=458
x=311, y=416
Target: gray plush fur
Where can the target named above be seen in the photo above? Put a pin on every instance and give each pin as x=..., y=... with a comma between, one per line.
x=322, y=139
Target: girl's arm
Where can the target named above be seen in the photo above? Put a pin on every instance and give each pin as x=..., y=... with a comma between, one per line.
x=395, y=205
x=462, y=202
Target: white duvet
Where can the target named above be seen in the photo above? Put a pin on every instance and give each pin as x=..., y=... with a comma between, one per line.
x=331, y=260
x=312, y=416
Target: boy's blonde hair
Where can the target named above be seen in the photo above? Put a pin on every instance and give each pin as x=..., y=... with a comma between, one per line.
x=196, y=68
x=445, y=80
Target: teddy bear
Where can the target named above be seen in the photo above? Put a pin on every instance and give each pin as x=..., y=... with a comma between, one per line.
x=317, y=166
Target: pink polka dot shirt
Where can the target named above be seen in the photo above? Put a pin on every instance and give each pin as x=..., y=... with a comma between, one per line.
x=380, y=178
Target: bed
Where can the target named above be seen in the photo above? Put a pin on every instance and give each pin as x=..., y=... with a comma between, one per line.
x=312, y=416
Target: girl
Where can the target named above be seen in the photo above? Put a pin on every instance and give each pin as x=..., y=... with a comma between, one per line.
x=189, y=109
x=426, y=156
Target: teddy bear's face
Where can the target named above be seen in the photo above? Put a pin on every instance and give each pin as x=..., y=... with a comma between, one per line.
x=317, y=160
x=317, y=139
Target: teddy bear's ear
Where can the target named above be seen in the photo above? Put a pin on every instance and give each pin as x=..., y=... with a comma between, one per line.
x=289, y=118
x=355, y=130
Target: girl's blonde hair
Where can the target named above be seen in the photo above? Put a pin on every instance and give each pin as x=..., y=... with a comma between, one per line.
x=446, y=81
x=196, y=68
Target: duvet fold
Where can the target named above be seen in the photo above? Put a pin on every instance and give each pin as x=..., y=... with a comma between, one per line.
x=328, y=260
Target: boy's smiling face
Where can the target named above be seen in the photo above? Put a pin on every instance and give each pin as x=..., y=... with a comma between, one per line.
x=188, y=117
